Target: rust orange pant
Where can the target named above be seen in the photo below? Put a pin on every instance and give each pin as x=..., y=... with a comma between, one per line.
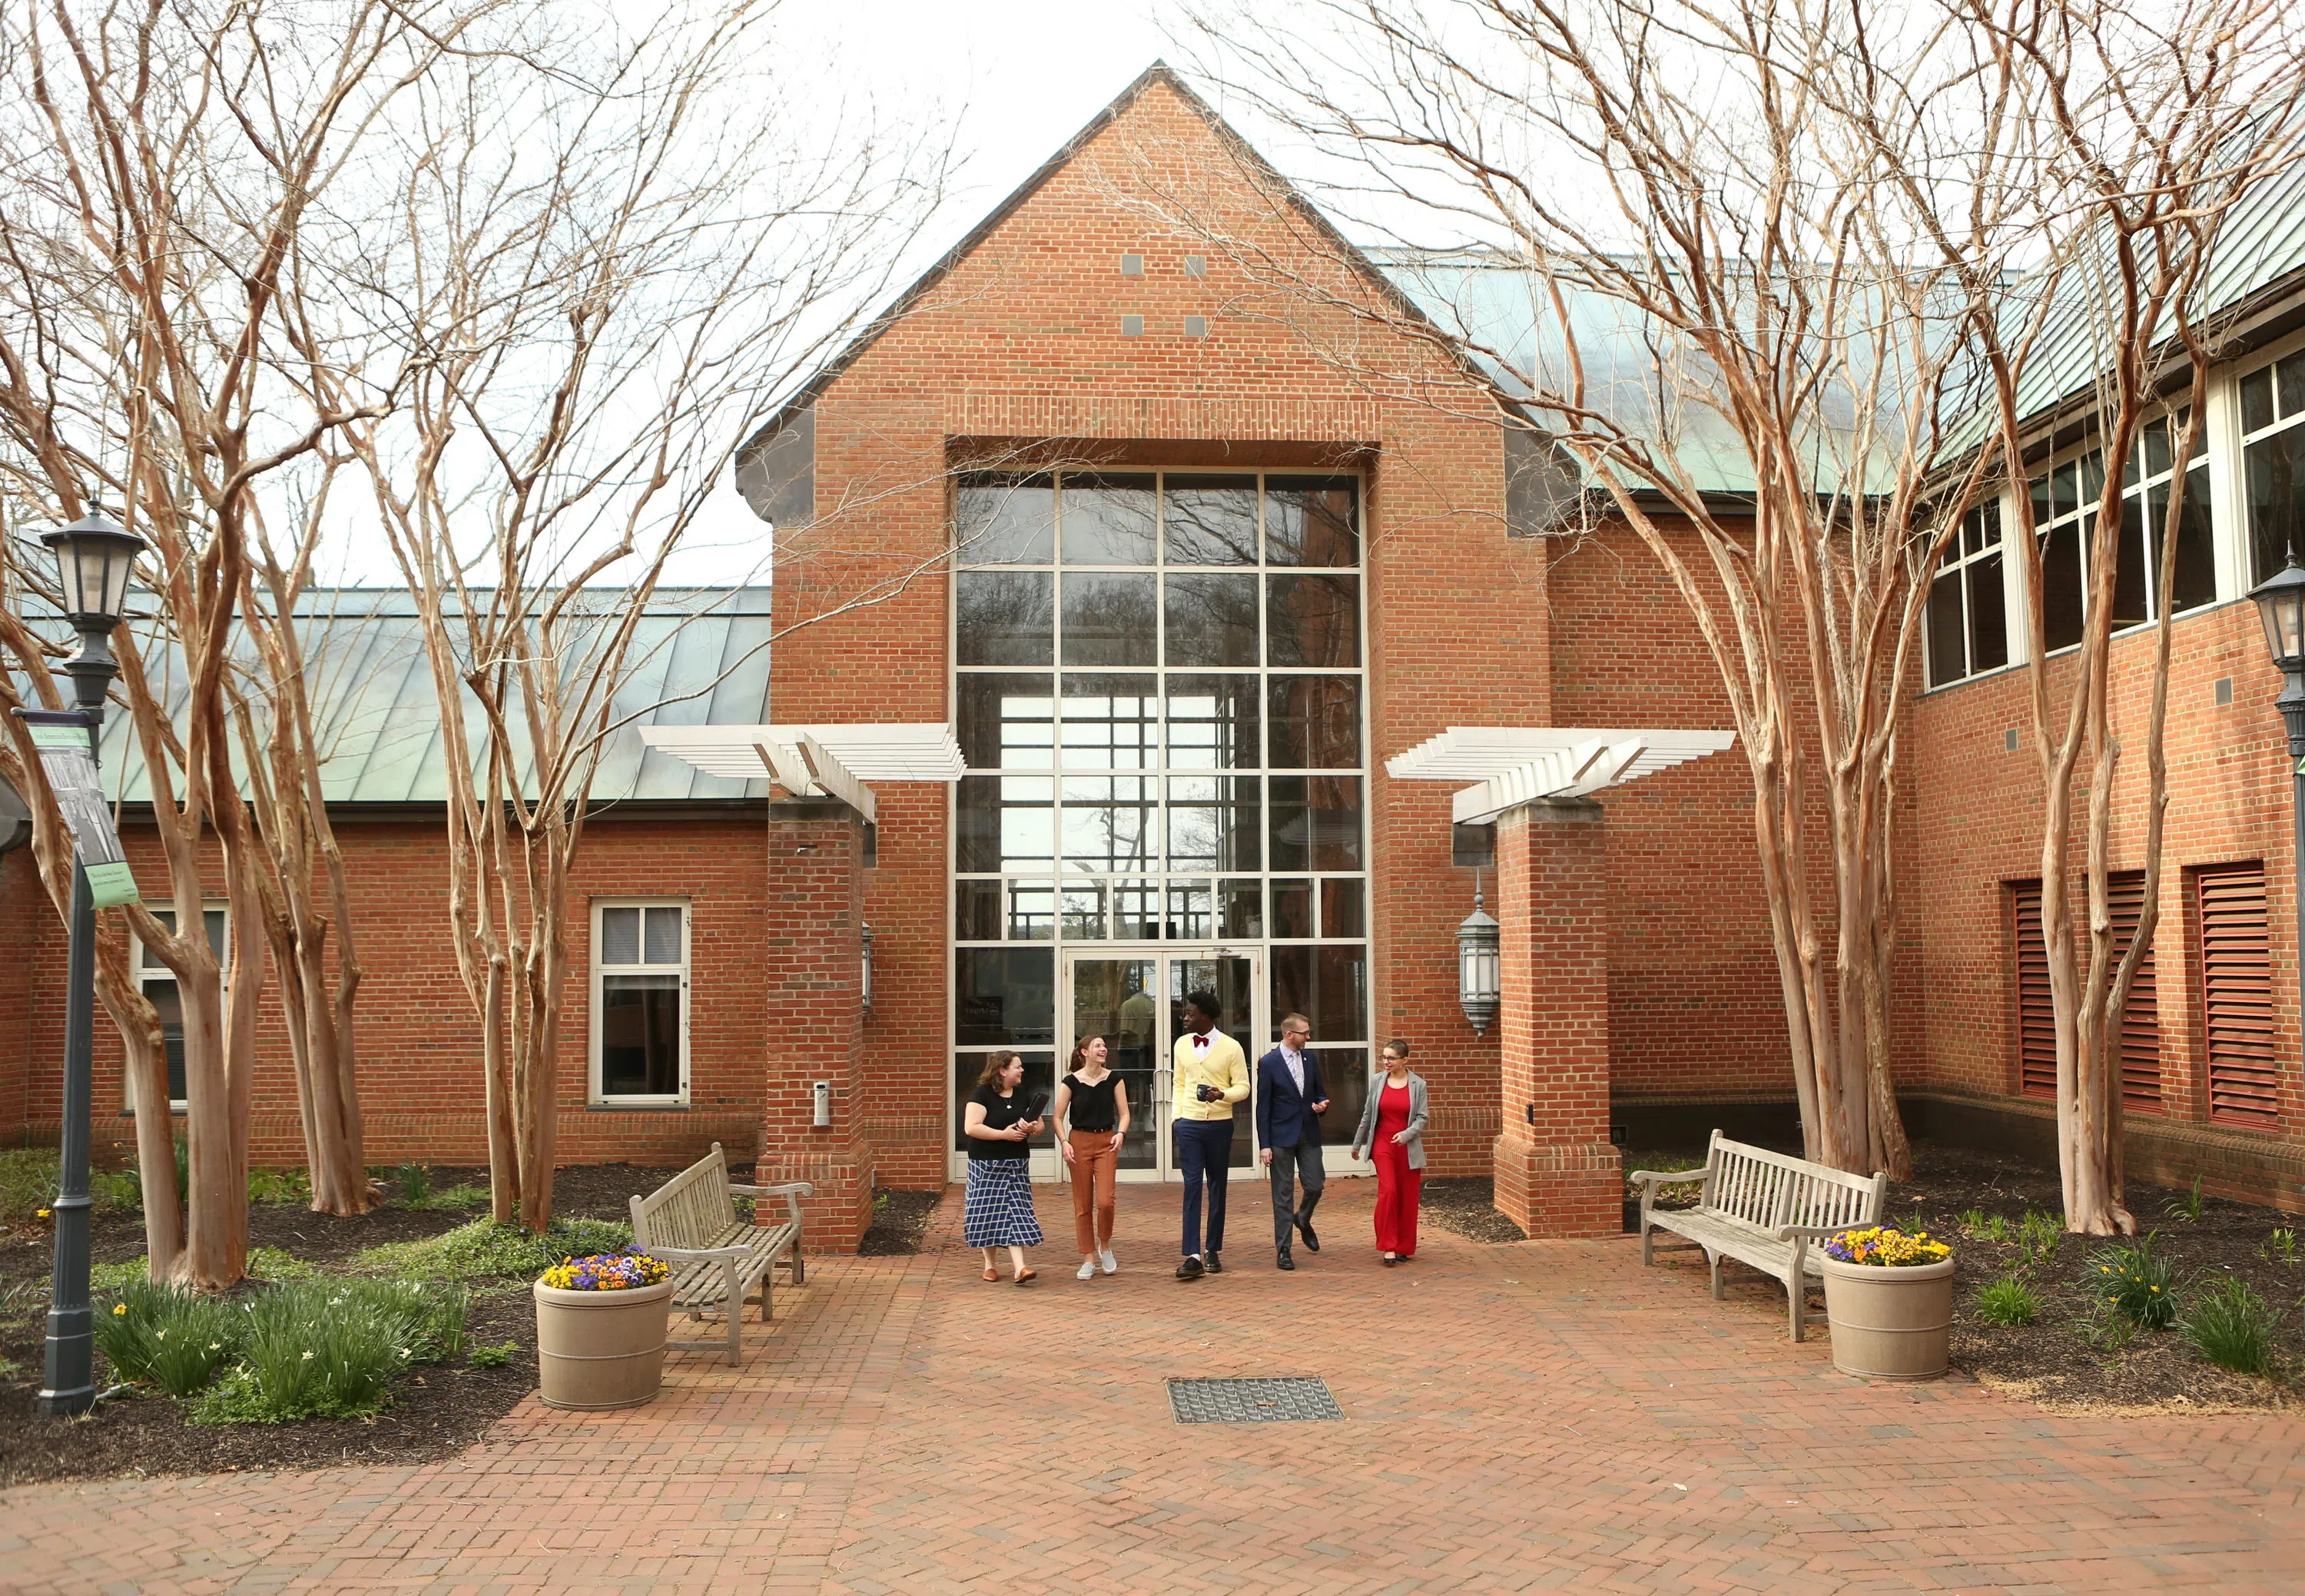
x=1094, y=1161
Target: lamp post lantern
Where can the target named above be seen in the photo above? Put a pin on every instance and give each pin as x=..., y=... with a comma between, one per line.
x=2281, y=606
x=1479, y=985
x=94, y=559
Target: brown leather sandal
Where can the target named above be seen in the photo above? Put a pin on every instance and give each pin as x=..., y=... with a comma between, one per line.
x=1026, y=1276
x=990, y=1273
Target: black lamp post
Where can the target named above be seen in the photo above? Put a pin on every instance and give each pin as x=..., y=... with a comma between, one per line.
x=2281, y=606
x=94, y=559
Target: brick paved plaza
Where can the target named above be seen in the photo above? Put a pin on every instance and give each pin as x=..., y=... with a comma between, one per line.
x=1539, y=1416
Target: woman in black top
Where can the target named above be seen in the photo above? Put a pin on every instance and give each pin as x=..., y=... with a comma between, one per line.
x=1093, y=1109
x=998, y=1207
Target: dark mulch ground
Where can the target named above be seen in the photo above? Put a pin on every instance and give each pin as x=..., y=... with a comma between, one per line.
x=2047, y=1360
x=899, y=1220
x=1467, y=1206
x=434, y=1413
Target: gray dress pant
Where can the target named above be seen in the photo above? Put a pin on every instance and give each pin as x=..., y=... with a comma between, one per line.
x=1289, y=1165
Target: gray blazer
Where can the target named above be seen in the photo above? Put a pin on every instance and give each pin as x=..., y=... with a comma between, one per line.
x=1420, y=1109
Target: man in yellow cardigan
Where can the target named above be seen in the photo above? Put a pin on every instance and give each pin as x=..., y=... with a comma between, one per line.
x=1212, y=1075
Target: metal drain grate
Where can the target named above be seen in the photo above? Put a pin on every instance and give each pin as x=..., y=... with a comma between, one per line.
x=1251, y=1401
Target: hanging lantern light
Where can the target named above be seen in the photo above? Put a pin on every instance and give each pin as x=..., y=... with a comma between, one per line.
x=1479, y=986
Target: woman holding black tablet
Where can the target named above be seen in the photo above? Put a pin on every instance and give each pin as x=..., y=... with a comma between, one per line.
x=997, y=1210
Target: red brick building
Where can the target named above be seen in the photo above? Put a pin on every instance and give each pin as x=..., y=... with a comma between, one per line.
x=1100, y=500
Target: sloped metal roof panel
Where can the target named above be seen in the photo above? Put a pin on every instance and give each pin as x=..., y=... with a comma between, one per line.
x=701, y=655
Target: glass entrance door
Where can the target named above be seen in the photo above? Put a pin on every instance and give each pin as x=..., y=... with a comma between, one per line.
x=1135, y=1000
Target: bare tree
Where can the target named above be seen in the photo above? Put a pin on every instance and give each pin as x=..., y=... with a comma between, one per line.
x=2154, y=127
x=306, y=891
x=602, y=276
x=1725, y=338
x=163, y=162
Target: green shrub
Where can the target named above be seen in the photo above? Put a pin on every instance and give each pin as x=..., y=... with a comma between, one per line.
x=2009, y=1301
x=411, y=1183
x=2103, y=1328
x=116, y=1188
x=279, y=1188
x=456, y=1198
x=2135, y=1282
x=1979, y=1225
x=28, y=1183
x=2186, y=1205
x=484, y=1250
x=2231, y=1325
x=494, y=1357
x=111, y=1279
x=166, y=1336
x=2038, y=1235
x=271, y=1263
x=126, y=1185
x=330, y=1349
x=22, y=1299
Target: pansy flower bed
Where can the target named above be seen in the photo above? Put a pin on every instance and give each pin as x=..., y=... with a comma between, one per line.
x=1885, y=1247
x=607, y=1271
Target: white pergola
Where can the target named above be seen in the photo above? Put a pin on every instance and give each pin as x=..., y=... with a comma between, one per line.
x=807, y=761
x=1514, y=765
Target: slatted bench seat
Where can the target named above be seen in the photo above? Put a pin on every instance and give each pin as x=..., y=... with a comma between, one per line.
x=1761, y=1208
x=718, y=1260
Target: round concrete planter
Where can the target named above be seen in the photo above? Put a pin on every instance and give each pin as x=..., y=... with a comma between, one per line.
x=1889, y=1323
x=601, y=1348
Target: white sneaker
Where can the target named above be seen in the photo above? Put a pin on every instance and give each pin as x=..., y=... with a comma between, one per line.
x=1088, y=1269
x=1111, y=1263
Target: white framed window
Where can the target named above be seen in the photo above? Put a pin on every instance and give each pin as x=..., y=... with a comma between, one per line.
x=640, y=1000
x=2271, y=400
x=158, y=983
x=1968, y=602
x=2065, y=499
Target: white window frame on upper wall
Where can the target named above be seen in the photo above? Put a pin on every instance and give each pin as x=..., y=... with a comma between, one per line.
x=2011, y=592
x=2228, y=530
x=595, y=1093
x=2234, y=475
x=147, y=969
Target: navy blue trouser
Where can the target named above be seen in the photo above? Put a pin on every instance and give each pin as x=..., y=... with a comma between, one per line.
x=1203, y=1153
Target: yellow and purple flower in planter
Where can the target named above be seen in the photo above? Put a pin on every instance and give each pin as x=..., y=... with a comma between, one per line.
x=1886, y=1248
x=607, y=1271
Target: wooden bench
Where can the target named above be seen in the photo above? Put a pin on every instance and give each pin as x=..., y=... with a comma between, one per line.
x=1761, y=1208
x=718, y=1260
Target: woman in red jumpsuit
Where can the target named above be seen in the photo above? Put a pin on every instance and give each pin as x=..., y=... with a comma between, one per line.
x=1392, y=1131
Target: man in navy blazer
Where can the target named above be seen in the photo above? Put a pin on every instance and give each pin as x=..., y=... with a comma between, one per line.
x=1290, y=1102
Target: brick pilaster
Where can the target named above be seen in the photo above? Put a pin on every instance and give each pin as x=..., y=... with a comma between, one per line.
x=815, y=1019
x=1557, y=1174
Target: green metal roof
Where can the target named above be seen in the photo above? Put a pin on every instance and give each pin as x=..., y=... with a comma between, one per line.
x=701, y=656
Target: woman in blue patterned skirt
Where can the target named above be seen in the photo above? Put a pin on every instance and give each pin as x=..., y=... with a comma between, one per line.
x=998, y=1209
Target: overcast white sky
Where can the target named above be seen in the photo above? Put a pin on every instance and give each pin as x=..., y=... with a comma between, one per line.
x=1015, y=77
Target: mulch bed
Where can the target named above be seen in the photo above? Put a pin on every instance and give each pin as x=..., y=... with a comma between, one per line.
x=434, y=1413
x=2046, y=1361
x=899, y=1220
x=1467, y=1206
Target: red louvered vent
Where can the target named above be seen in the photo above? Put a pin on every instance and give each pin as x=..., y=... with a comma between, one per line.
x=2237, y=996
x=2140, y=1030
x=2037, y=1029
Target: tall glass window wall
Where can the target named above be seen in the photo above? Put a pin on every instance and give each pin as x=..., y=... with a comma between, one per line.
x=1158, y=691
